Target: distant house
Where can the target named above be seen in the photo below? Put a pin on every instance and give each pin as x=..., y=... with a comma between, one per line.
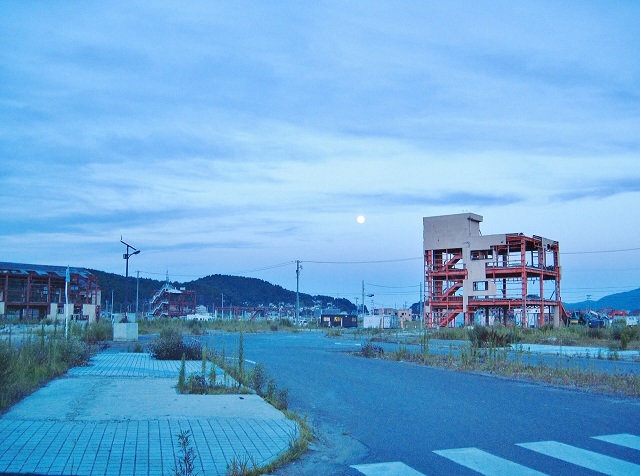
x=338, y=320
x=172, y=302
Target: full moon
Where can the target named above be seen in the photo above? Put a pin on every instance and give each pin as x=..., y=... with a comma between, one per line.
x=360, y=219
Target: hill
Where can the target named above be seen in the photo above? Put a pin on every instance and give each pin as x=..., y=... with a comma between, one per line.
x=237, y=291
x=629, y=300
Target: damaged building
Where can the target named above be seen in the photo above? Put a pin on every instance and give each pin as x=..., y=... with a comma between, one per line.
x=34, y=292
x=509, y=279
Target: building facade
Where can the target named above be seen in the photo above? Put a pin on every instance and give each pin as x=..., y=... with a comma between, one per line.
x=471, y=278
x=172, y=302
x=34, y=292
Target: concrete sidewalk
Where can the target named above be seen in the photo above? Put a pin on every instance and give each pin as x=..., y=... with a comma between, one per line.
x=574, y=351
x=121, y=416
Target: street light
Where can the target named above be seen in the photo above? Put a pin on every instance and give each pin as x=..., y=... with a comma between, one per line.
x=126, y=256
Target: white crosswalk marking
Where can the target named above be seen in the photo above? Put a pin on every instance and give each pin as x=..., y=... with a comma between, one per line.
x=585, y=458
x=486, y=463
x=490, y=465
x=387, y=469
x=623, y=439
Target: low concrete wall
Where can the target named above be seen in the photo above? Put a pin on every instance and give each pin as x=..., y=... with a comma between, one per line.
x=125, y=331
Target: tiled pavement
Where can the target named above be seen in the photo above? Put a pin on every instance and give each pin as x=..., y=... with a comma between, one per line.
x=122, y=415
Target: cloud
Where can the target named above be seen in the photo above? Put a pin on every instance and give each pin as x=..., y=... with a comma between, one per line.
x=459, y=198
x=604, y=188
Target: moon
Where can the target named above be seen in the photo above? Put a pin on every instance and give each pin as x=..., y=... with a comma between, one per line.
x=360, y=219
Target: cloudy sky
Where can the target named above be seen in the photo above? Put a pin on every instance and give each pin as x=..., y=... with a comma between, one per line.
x=238, y=137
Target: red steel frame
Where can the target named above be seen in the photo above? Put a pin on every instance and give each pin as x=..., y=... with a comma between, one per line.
x=29, y=290
x=519, y=261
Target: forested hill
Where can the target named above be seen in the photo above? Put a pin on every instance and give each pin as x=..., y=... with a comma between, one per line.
x=237, y=291
x=629, y=301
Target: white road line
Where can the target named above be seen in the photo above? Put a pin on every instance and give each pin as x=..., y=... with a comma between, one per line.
x=585, y=458
x=486, y=463
x=622, y=439
x=386, y=469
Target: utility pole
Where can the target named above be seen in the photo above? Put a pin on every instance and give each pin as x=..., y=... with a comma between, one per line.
x=126, y=256
x=421, y=307
x=137, y=292
x=222, y=307
x=298, y=291
x=363, y=300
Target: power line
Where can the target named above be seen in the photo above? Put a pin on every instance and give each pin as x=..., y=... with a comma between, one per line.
x=393, y=287
x=596, y=252
x=363, y=262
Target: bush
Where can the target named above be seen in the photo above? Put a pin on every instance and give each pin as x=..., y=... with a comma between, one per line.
x=170, y=346
x=370, y=350
x=99, y=331
x=625, y=335
x=258, y=378
x=483, y=336
x=196, y=328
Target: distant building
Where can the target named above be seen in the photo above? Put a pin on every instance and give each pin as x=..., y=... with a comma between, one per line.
x=34, y=292
x=171, y=302
x=338, y=320
x=380, y=321
x=474, y=278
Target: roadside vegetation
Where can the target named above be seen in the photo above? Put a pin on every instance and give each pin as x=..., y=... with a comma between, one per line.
x=487, y=354
x=29, y=360
x=619, y=337
x=199, y=328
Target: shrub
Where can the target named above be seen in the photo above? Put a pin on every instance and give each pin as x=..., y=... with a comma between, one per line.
x=626, y=335
x=257, y=378
x=282, y=402
x=483, y=336
x=370, y=350
x=170, y=346
x=195, y=327
x=197, y=384
x=99, y=331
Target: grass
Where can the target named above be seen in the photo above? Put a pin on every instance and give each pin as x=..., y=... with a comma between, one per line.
x=28, y=363
x=495, y=361
x=298, y=445
x=198, y=328
x=616, y=338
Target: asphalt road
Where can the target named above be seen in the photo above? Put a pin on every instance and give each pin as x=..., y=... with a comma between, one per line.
x=372, y=411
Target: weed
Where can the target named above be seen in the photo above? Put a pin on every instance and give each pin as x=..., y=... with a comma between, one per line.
x=239, y=466
x=185, y=465
x=401, y=354
x=257, y=378
x=182, y=376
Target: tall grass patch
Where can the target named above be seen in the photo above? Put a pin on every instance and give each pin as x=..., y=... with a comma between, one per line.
x=30, y=363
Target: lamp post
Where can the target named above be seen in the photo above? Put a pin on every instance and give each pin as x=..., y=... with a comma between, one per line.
x=126, y=257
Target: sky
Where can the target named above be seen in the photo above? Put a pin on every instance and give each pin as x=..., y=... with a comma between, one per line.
x=239, y=137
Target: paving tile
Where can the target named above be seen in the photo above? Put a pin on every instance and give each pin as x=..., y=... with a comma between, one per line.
x=140, y=446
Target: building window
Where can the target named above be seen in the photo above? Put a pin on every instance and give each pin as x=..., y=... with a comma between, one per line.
x=481, y=254
x=480, y=285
